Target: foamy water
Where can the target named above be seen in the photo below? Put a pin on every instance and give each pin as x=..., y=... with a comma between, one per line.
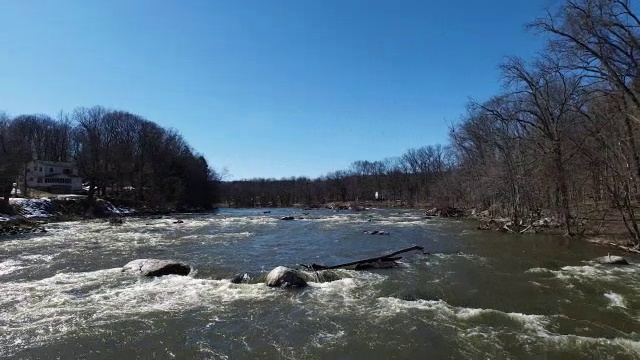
x=616, y=299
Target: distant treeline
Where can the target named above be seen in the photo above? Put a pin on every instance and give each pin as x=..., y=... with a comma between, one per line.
x=119, y=154
x=415, y=177
x=561, y=136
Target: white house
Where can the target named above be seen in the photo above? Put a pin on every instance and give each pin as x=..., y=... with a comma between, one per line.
x=56, y=177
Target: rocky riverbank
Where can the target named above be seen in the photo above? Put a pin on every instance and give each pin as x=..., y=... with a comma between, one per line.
x=19, y=226
x=31, y=214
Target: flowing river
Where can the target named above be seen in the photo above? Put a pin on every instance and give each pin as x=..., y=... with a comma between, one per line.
x=479, y=295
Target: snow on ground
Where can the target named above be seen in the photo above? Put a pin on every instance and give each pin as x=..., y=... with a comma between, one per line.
x=68, y=196
x=42, y=208
x=32, y=207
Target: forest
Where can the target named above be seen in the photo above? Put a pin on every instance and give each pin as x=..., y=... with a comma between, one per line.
x=560, y=139
x=119, y=155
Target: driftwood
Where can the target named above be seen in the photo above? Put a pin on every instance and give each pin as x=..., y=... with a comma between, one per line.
x=525, y=229
x=505, y=227
x=380, y=261
x=619, y=246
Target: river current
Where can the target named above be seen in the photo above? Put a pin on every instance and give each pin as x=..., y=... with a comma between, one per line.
x=478, y=295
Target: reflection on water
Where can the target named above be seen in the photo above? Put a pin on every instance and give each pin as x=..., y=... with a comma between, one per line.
x=479, y=294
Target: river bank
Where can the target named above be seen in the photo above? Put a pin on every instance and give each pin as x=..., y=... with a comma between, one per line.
x=32, y=214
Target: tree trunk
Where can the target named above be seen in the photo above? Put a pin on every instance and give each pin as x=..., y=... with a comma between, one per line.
x=25, y=192
x=634, y=153
x=562, y=187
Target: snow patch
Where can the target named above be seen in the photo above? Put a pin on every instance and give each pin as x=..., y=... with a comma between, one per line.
x=30, y=208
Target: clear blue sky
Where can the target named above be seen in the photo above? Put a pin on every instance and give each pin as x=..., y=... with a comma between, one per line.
x=267, y=88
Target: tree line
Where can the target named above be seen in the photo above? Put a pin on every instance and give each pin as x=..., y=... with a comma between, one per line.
x=119, y=155
x=560, y=138
x=412, y=178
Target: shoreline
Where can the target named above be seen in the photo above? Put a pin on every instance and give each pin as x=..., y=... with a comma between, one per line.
x=21, y=224
x=34, y=213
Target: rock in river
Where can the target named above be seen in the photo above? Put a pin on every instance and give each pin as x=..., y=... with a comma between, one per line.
x=155, y=267
x=285, y=277
x=376, y=232
x=612, y=260
x=240, y=278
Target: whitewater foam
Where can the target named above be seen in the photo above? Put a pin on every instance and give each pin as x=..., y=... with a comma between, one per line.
x=533, y=330
x=9, y=266
x=616, y=300
x=36, y=312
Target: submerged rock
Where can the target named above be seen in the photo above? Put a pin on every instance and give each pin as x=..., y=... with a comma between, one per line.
x=325, y=276
x=376, y=232
x=612, y=260
x=116, y=221
x=155, y=267
x=287, y=218
x=285, y=277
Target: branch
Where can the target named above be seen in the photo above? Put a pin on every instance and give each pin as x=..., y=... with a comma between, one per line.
x=389, y=257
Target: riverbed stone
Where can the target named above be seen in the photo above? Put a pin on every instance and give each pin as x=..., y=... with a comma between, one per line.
x=376, y=232
x=612, y=260
x=240, y=278
x=285, y=277
x=155, y=267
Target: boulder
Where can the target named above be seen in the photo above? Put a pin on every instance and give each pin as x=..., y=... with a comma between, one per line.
x=240, y=278
x=287, y=218
x=155, y=267
x=431, y=212
x=116, y=221
x=285, y=277
x=611, y=260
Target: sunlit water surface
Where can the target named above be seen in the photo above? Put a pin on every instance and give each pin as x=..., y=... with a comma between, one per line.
x=479, y=295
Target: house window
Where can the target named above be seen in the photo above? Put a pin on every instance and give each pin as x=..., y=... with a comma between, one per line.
x=30, y=179
x=66, y=171
x=40, y=169
x=35, y=168
x=50, y=169
x=39, y=180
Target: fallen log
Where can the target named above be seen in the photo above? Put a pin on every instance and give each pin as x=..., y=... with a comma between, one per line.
x=619, y=246
x=509, y=230
x=525, y=229
x=376, y=262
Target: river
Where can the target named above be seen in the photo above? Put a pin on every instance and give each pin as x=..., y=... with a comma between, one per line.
x=479, y=295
